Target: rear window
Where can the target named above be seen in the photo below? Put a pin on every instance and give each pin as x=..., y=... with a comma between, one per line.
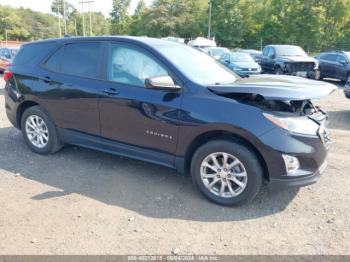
x=81, y=59
x=30, y=51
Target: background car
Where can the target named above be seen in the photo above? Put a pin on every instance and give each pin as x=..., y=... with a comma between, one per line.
x=7, y=54
x=255, y=54
x=241, y=63
x=289, y=60
x=334, y=64
x=201, y=42
x=216, y=52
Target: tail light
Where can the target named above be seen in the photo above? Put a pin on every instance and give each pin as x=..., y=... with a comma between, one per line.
x=7, y=75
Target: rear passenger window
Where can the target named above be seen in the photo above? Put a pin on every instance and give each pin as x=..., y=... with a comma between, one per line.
x=81, y=59
x=332, y=57
x=54, y=62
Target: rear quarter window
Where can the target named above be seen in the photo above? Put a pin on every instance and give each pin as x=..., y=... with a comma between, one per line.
x=30, y=51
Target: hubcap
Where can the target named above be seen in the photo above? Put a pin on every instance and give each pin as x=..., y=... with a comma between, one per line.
x=37, y=131
x=223, y=174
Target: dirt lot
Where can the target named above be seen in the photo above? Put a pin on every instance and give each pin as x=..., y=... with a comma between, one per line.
x=83, y=202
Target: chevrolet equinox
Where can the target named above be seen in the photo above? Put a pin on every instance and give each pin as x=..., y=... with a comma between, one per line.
x=169, y=104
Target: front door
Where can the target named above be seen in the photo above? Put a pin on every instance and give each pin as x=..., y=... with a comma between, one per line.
x=132, y=114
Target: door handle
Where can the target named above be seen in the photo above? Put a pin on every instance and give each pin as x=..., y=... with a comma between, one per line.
x=46, y=79
x=110, y=91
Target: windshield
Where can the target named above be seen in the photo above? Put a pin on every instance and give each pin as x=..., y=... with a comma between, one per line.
x=196, y=65
x=290, y=51
x=241, y=57
x=218, y=51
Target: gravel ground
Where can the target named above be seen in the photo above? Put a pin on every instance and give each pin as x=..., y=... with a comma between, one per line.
x=80, y=201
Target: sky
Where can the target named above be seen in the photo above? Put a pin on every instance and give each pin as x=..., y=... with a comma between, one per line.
x=103, y=6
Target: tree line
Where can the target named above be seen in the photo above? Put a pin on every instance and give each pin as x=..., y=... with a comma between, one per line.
x=313, y=24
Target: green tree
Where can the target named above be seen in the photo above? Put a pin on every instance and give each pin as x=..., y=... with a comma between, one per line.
x=181, y=18
x=119, y=17
x=227, y=23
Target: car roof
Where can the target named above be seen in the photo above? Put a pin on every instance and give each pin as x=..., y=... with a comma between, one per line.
x=283, y=46
x=144, y=40
x=334, y=52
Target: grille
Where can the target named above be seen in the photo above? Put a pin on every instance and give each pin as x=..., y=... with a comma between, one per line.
x=249, y=69
x=302, y=67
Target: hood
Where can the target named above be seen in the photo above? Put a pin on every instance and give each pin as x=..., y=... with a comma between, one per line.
x=277, y=87
x=298, y=58
x=246, y=64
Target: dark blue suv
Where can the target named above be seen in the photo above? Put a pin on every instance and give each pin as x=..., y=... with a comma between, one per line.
x=169, y=104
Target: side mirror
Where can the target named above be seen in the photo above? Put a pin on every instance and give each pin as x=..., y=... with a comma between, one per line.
x=273, y=56
x=343, y=63
x=162, y=83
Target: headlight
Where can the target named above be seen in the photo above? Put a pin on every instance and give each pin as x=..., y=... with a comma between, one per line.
x=300, y=125
x=316, y=65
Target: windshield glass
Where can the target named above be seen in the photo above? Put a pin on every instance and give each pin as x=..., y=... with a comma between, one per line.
x=290, y=51
x=196, y=65
x=218, y=51
x=241, y=57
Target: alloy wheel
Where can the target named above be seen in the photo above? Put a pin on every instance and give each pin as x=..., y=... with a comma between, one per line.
x=223, y=174
x=37, y=131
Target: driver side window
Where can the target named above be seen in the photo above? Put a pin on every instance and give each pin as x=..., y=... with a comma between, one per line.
x=129, y=65
x=271, y=52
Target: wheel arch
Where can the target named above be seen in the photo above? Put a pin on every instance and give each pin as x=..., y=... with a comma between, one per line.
x=225, y=135
x=23, y=107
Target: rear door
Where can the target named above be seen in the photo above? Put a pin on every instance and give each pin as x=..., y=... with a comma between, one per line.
x=71, y=85
x=132, y=114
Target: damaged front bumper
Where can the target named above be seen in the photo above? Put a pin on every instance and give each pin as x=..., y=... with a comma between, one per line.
x=310, y=151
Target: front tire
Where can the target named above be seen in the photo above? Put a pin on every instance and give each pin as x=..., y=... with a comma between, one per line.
x=227, y=172
x=39, y=132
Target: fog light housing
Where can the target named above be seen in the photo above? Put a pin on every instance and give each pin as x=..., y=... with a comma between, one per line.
x=292, y=164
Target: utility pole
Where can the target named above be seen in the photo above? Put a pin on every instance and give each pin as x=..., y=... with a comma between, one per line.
x=90, y=17
x=6, y=33
x=82, y=11
x=82, y=8
x=59, y=20
x=75, y=25
x=209, y=20
x=64, y=17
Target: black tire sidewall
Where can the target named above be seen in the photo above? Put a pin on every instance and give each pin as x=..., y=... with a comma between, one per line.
x=53, y=139
x=248, y=159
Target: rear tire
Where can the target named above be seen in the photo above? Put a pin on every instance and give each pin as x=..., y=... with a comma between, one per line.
x=39, y=132
x=240, y=182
